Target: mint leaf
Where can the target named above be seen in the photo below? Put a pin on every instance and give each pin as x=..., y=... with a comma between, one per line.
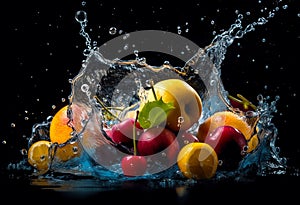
x=154, y=113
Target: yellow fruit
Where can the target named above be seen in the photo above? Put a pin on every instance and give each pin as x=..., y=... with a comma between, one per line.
x=185, y=99
x=197, y=160
x=60, y=133
x=59, y=130
x=253, y=143
x=68, y=152
x=39, y=156
x=224, y=118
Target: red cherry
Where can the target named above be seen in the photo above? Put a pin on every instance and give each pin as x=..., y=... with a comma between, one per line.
x=122, y=133
x=133, y=165
x=158, y=139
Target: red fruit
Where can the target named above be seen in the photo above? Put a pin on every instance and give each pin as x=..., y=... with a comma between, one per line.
x=222, y=136
x=122, y=133
x=185, y=138
x=133, y=165
x=108, y=132
x=160, y=142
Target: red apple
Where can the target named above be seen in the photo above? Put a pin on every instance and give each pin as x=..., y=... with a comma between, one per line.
x=133, y=165
x=122, y=133
x=222, y=136
x=229, y=144
x=159, y=142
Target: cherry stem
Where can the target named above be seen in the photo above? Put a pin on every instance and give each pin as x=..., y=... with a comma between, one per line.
x=152, y=88
x=242, y=100
x=134, y=133
x=105, y=108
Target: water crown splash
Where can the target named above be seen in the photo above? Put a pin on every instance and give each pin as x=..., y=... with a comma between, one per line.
x=106, y=80
x=119, y=83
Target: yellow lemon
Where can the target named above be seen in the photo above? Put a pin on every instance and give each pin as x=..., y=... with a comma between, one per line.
x=197, y=160
x=39, y=155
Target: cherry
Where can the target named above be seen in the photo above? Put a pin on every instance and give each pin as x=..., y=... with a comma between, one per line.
x=159, y=139
x=122, y=133
x=134, y=165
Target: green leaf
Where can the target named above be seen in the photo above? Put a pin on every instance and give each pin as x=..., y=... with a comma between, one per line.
x=154, y=113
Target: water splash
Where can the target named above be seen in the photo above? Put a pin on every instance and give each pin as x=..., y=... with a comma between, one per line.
x=100, y=76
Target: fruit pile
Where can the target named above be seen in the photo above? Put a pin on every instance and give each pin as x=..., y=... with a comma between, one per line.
x=59, y=148
x=162, y=130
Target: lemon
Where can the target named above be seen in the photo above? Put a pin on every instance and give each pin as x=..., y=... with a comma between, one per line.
x=197, y=160
x=39, y=155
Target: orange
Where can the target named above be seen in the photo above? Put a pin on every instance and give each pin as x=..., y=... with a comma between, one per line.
x=59, y=130
x=68, y=152
x=197, y=160
x=60, y=133
x=39, y=156
x=224, y=118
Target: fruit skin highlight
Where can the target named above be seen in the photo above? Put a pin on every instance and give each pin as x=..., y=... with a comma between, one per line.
x=60, y=132
x=186, y=101
x=197, y=160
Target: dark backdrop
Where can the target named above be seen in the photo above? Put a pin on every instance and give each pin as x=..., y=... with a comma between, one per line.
x=42, y=50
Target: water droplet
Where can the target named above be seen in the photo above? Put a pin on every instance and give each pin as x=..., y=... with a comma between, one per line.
x=112, y=30
x=81, y=16
x=84, y=88
x=180, y=121
x=23, y=152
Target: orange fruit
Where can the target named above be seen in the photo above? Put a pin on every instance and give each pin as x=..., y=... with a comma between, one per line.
x=59, y=130
x=68, y=152
x=60, y=133
x=197, y=160
x=224, y=118
x=39, y=156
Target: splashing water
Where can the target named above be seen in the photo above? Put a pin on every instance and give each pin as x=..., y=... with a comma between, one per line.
x=106, y=78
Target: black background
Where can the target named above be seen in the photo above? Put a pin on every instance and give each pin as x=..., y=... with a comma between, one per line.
x=42, y=50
